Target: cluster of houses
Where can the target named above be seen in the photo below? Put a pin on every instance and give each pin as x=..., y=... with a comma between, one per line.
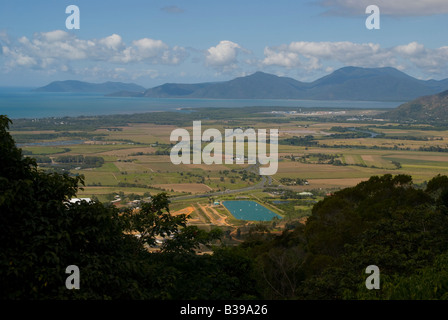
x=133, y=204
x=117, y=201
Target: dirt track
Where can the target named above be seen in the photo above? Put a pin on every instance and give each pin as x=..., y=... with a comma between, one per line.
x=186, y=211
x=215, y=217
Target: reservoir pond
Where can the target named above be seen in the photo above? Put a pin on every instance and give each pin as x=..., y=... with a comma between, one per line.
x=249, y=210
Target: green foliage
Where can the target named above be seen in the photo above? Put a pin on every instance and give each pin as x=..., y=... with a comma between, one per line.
x=429, y=283
x=41, y=233
x=32, y=137
x=227, y=274
x=82, y=161
x=307, y=141
x=190, y=239
x=384, y=221
x=153, y=220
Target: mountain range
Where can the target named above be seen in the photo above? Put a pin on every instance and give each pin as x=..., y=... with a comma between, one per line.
x=86, y=87
x=348, y=83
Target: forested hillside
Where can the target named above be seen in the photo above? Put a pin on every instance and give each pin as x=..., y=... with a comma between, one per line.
x=429, y=109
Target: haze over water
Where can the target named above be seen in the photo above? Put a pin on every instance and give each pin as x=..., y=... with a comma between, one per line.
x=25, y=103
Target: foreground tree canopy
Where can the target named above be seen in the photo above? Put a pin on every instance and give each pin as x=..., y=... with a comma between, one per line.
x=385, y=221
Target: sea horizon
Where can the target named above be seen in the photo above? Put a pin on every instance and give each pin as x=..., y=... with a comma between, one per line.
x=23, y=102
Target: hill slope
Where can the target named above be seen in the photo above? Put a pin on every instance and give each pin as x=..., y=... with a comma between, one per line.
x=80, y=86
x=432, y=108
x=256, y=86
x=370, y=84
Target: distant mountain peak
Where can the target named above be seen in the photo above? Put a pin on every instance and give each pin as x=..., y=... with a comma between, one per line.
x=261, y=73
x=258, y=75
x=369, y=71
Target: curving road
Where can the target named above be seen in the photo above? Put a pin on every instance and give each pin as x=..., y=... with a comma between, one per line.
x=254, y=168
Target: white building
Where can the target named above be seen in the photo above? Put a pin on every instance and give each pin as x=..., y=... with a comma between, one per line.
x=75, y=200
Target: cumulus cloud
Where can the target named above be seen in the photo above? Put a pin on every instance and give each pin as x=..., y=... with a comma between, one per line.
x=142, y=49
x=53, y=36
x=433, y=61
x=320, y=56
x=55, y=44
x=281, y=57
x=59, y=47
x=59, y=50
x=388, y=7
x=224, y=55
x=410, y=49
x=24, y=61
x=312, y=53
x=113, y=42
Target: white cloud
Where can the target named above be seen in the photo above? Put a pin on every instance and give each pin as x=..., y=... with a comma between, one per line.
x=310, y=54
x=53, y=36
x=432, y=61
x=58, y=50
x=113, y=42
x=149, y=47
x=388, y=7
x=17, y=58
x=146, y=49
x=55, y=48
x=322, y=56
x=342, y=51
x=223, y=55
x=58, y=44
x=24, y=61
x=410, y=49
x=283, y=58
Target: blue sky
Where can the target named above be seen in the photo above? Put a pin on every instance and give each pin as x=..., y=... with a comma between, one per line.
x=156, y=41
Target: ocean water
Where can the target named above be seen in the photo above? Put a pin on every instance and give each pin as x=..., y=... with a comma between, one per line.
x=25, y=103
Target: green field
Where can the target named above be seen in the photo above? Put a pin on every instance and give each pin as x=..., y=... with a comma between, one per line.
x=137, y=161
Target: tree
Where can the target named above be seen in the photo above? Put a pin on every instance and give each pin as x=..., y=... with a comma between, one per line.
x=41, y=233
x=385, y=222
x=153, y=219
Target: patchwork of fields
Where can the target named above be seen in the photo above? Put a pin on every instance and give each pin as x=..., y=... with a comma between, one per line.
x=137, y=163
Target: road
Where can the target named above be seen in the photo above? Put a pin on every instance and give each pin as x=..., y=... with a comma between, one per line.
x=265, y=180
